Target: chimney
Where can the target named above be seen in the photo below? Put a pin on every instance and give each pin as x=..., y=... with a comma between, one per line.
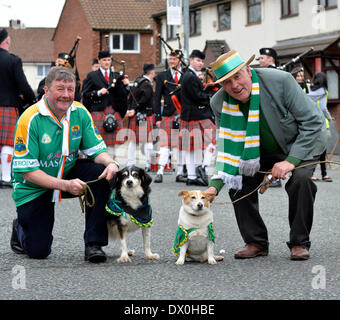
x=15, y=24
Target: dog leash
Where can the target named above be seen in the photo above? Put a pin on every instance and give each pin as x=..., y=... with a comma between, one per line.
x=83, y=198
x=264, y=185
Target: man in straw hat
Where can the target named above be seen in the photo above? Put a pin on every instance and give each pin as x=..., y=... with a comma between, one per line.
x=266, y=122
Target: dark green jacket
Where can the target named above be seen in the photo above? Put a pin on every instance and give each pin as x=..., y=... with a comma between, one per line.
x=295, y=121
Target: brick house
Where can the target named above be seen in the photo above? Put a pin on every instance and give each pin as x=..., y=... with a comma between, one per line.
x=128, y=23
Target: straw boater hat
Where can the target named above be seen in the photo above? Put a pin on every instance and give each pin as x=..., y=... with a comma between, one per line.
x=228, y=64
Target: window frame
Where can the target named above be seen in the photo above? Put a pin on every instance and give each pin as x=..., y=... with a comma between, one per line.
x=121, y=38
x=248, y=12
x=219, y=16
x=194, y=12
x=289, y=14
x=327, y=7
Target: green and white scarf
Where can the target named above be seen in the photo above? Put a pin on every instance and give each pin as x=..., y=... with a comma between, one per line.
x=239, y=139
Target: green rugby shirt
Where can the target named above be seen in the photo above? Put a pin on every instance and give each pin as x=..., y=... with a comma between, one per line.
x=44, y=142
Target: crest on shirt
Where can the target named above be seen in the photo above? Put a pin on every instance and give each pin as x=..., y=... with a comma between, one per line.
x=20, y=146
x=46, y=139
x=75, y=131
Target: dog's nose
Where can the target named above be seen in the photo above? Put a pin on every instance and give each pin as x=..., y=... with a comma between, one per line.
x=200, y=205
x=129, y=183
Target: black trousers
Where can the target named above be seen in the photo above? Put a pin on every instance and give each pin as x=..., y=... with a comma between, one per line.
x=36, y=218
x=301, y=192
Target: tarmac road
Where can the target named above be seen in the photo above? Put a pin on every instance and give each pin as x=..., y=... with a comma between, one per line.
x=64, y=275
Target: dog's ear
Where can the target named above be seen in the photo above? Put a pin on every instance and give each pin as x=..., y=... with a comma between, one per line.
x=114, y=181
x=145, y=177
x=183, y=193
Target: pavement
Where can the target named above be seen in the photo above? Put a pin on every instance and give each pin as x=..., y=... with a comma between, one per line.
x=64, y=275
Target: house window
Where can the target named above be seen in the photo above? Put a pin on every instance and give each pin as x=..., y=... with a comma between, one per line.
x=171, y=32
x=125, y=42
x=328, y=4
x=43, y=70
x=224, y=20
x=195, y=22
x=289, y=8
x=254, y=11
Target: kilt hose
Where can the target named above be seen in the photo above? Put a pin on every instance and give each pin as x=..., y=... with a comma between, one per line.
x=168, y=137
x=8, y=119
x=197, y=134
x=142, y=132
x=110, y=138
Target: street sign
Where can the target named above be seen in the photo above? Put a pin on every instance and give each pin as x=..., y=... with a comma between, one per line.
x=174, y=12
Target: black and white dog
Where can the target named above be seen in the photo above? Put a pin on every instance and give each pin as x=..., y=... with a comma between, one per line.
x=130, y=210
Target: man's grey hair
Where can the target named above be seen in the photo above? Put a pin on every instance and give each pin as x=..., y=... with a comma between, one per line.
x=61, y=74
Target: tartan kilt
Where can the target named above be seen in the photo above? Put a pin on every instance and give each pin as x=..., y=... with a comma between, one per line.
x=197, y=134
x=8, y=119
x=110, y=138
x=142, y=132
x=166, y=127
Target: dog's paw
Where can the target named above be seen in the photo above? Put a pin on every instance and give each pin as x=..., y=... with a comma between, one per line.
x=219, y=258
x=124, y=259
x=131, y=252
x=153, y=256
x=212, y=261
x=180, y=261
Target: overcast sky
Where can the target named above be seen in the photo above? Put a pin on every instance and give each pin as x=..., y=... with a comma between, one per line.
x=32, y=13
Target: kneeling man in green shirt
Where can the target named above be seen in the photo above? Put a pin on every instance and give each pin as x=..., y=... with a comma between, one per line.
x=46, y=168
x=265, y=122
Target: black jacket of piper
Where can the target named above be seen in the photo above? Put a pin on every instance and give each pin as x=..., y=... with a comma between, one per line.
x=195, y=101
x=143, y=95
x=163, y=90
x=117, y=97
x=14, y=88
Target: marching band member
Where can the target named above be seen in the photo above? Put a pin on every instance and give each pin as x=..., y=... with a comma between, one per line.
x=15, y=92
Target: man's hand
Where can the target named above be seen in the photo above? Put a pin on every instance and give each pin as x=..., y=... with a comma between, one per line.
x=109, y=171
x=213, y=191
x=74, y=186
x=125, y=81
x=280, y=169
x=130, y=113
x=103, y=91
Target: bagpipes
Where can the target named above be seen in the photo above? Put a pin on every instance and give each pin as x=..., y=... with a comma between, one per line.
x=175, y=87
x=121, y=72
x=110, y=121
x=296, y=59
x=178, y=53
x=70, y=60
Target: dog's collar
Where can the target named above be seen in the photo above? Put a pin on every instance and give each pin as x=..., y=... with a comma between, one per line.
x=182, y=236
x=142, y=216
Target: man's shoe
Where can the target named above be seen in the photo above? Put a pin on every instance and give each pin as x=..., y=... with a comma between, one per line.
x=15, y=243
x=180, y=178
x=250, y=251
x=5, y=184
x=196, y=182
x=200, y=171
x=275, y=184
x=94, y=253
x=158, y=178
x=299, y=253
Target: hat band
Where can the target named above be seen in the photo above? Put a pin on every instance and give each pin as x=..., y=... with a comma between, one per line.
x=228, y=66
